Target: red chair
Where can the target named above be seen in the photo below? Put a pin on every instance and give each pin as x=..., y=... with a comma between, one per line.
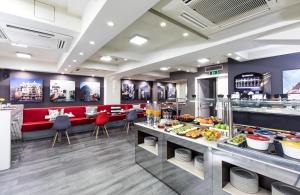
x=101, y=120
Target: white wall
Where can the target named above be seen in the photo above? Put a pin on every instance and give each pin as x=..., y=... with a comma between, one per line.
x=222, y=86
x=112, y=90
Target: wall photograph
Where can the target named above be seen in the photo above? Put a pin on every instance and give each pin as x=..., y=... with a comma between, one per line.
x=291, y=81
x=132, y=90
x=89, y=91
x=24, y=90
x=62, y=91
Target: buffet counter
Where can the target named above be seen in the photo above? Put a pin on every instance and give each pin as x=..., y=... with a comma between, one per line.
x=9, y=117
x=218, y=159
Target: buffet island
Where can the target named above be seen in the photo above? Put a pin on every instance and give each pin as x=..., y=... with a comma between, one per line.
x=11, y=122
x=206, y=156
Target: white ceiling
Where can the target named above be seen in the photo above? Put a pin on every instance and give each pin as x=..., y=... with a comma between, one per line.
x=158, y=38
x=273, y=33
x=73, y=7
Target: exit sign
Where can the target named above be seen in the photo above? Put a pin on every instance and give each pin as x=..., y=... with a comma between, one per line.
x=215, y=72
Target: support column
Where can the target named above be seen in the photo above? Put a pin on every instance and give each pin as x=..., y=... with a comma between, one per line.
x=112, y=90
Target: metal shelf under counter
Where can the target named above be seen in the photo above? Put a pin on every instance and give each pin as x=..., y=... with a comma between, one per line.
x=233, y=191
x=152, y=149
x=187, y=166
x=181, y=176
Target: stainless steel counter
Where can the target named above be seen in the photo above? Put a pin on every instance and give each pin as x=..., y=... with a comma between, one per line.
x=218, y=158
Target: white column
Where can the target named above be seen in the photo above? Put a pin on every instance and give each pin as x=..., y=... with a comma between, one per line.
x=112, y=90
x=5, y=121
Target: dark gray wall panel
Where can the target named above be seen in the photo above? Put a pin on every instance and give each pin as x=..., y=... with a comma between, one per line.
x=5, y=76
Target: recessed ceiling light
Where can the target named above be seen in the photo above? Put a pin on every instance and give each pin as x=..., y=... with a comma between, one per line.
x=185, y=34
x=218, y=62
x=74, y=60
x=238, y=58
x=138, y=40
x=163, y=24
x=19, y=45
x=203, y=60
x=93, y=75
x=66, y=69
x=229, y=54
x=62, y=73
x=125, y=59
x=23, y=55
x=69, y=66
x=81, y=53
x=92, y=42
x=179, y=69
x=187, y=71
x=110, y=23
x=164, y=68
x=106, y=58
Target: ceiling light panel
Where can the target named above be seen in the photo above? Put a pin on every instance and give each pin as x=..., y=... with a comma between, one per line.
x=110, y=23
x=203, y=60
x=23, y=55
x=164, y=68
x=19, y=45
x=138, y=40
x=106, y=58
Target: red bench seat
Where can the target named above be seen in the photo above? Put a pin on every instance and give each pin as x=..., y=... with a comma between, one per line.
x=34, y=118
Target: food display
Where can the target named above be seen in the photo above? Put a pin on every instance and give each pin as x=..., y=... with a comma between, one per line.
x=237, y=140
x=222, y=126
x=186, y=118
x=212, y=135
x=194, y=133
x=207, y=121
x=183, y=129
x=257, y=142
x=291, y=148
x=269, y=134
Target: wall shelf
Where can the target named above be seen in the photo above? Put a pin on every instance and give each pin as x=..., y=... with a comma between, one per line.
x=187, y=166
x=152, y=149
x=233, y=191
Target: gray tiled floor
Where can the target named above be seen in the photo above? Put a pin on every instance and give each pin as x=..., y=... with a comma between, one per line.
x=87, y=166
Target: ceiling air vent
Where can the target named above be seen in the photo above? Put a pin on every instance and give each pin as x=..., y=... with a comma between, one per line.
x=193, y=20
x=2, y=35
x=227, y=12
x=213, y=68
x=61, y=44
x=34, y=37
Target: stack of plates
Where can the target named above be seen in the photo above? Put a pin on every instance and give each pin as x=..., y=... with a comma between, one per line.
x=279, y=188
x=244, y=180
x=198, y=162
x=150, y=141
x=183, y=154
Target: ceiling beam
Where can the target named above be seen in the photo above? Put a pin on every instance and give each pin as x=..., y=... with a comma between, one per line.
x=95, y=28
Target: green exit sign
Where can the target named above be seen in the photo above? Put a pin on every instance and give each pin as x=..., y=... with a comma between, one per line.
x=215, y=72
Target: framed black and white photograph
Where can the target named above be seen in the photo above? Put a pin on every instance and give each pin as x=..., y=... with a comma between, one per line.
x=62, y=91
x=171, y=91
x=144, y=90
x=161, y=91
x=127, y=90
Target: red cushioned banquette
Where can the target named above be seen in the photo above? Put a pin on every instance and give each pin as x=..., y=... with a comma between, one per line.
x=34, y=118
